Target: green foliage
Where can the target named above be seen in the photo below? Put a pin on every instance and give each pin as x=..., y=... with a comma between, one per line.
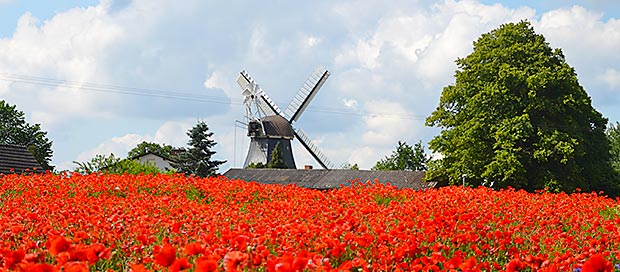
x=15, y=130
x=196, y=159
x=128, y=166
x=196, y=194
x=349, y=166
x=517, y=116
x=610, y=213
x=277, y=158
x=256, y=165
x=113, y=165
x=405, y=157
x=142, y=148
x=96, y=164
x=613, y=136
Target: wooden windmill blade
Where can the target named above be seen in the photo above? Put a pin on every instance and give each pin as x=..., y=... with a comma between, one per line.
x=264, y=116
x=313, y=149
x=306, y=93
x=251, y=89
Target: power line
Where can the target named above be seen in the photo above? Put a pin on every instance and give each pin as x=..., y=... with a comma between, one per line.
x=147, y=92
x=107, y=88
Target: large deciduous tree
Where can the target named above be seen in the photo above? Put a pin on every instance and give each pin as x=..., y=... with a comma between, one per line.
x=16, y=131
x=613, y=136
x=518, y=116
x=405, y=157
x=197, y=159
x=142, y=148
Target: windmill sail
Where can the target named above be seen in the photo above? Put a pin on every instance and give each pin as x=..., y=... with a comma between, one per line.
x=313, y=149
x=253, y=90
x=306, y=93
x=268, y=106
x=262, y=111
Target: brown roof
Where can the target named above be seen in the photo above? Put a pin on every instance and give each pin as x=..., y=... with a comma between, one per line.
x=18, y=159
x=331, y=178
x=276, y=125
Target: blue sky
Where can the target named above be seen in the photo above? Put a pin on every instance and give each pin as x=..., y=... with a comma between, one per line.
x=388, y=60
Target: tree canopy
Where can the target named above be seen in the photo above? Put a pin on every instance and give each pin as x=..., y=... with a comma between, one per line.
x=197, y=159
x=16, y=131
x=517, y=115
x=405, y=157
x=613, y=136
x=146, y=147
x=113, y=165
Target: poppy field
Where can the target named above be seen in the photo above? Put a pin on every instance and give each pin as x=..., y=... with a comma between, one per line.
x=175, y=223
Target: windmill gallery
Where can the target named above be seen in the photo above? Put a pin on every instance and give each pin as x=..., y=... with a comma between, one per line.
x=269, y=128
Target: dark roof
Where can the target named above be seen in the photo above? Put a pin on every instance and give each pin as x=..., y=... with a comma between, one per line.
x=151, y=152
x=330, y=178
x=276, y=125
x=17, y=158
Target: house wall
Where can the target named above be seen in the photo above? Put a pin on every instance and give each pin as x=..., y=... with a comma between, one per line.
x=160, y=162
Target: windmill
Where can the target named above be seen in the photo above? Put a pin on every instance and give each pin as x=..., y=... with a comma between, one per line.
x=268, y=126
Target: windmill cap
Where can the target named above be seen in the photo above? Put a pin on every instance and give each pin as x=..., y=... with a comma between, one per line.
x=277, y=126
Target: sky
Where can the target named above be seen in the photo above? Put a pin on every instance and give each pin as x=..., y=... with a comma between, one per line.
x=102, y=76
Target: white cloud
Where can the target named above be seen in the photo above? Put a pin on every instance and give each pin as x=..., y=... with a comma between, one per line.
x=69, y=47
x=582, y=35
x=219, y=80
x=312, y=41
x=590, y=45
x=364, y=53
x=430, y=41
x=383, y=125
x=259, y=50
x=173, y=133
x=366, y=156
x=349, y=103
x=611, y=77
x=119, y=146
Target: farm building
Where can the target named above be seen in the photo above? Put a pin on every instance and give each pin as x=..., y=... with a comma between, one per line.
x=162, y=162
x=17, y=159
x=331, y=178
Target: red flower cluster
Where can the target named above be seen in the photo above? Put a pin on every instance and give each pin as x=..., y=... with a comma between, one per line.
x=175, y=223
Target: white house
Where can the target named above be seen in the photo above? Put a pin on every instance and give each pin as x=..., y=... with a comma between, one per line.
x=163, y=163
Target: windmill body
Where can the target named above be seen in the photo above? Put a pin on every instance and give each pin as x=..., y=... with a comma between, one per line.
x=268, y=125
x=265, y=133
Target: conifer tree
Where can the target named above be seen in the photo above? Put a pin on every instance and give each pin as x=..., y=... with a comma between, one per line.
x=277, y=158
x=197, y=159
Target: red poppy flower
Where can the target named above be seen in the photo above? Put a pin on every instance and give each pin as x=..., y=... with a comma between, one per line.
x=12, y=257
x=138, y=268
x=166, y=256
x=206, y=264
x=233, y=259
x=454, y=262
x=40, y=268
x=76, y=267
x=514, y=265
x=194, y=249
x=58, y=245
x=597, y=263
x=179, y=265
